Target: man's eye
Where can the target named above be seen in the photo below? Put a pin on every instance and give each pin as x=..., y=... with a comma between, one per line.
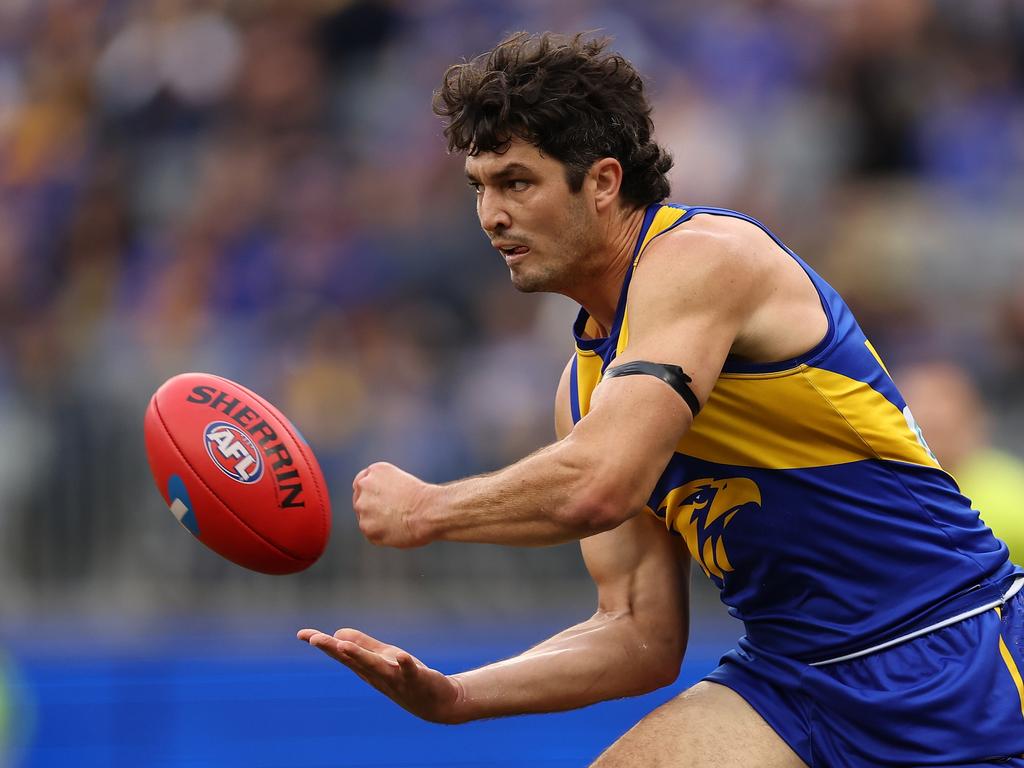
x=518, y=185
x=475, y=186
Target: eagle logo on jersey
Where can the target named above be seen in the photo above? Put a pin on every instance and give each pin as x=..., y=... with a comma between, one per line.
x=700, y=511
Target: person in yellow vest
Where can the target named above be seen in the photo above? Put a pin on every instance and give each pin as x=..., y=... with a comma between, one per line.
x=957, y=426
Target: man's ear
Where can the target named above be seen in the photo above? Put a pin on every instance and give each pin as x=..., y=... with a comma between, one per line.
x=606, y=176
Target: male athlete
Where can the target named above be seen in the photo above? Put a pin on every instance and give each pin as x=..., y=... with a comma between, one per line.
x=721, y=404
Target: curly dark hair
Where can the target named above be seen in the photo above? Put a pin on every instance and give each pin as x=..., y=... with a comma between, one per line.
x=569, y=97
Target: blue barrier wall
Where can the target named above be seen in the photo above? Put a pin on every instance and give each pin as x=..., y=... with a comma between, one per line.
x=198, y=700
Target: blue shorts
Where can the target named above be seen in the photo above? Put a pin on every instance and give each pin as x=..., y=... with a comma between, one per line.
x=952, y=697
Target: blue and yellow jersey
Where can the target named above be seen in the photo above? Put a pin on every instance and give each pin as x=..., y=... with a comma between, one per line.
x=805, y=491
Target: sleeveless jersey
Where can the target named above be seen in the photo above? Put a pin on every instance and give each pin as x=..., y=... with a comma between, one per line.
x=805, y=491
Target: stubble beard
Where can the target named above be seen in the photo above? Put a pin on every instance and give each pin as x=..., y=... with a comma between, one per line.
x=544, y=278
x=565, y=267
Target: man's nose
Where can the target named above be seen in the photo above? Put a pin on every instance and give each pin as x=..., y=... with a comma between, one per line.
x=493, y=214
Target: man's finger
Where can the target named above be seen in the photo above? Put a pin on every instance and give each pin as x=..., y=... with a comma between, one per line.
x=362, y=660
x=372, y=666
x=358, y=477
x=406, y=663
x=361, y=638
x=328, y=645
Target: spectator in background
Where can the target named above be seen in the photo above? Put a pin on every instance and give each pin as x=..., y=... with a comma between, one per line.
x=185, y=183
x=953, y=417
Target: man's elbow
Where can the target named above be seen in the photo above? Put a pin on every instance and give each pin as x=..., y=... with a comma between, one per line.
x=604, y=493
x=665, y=660
x=599, y=508
x=665, y=672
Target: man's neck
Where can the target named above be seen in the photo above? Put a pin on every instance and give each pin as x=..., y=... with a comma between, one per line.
x=599, y=293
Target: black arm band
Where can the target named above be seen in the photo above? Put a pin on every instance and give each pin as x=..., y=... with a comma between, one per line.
x=672, y=375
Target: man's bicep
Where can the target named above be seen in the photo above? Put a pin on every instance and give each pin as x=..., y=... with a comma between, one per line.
x=690, y=300
x=630, y=434
x=623, y=443
x=694, y=347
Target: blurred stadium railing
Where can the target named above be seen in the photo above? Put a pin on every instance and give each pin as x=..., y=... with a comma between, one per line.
x=259, y=190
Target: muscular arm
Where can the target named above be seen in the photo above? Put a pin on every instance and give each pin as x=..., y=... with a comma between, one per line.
x=633, y=643
x=689, y=302
x=576, y=487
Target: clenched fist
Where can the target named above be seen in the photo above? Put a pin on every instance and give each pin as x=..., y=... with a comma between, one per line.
x=388, y=503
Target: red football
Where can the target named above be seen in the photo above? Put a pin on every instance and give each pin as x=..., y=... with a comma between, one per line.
x=237, y=474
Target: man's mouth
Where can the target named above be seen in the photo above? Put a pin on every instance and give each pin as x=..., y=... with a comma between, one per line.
x=512, y=250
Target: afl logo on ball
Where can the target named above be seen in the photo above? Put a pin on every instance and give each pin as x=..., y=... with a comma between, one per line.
x=234, y=452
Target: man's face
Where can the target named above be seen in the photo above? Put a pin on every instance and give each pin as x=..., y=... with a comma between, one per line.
x=541, y=229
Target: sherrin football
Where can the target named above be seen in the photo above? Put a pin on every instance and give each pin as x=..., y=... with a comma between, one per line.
x=236, y=474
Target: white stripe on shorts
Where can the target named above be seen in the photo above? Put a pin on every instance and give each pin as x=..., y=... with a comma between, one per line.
x=1013, y=590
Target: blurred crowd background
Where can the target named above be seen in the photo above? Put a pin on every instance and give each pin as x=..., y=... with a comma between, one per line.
x=258, y=189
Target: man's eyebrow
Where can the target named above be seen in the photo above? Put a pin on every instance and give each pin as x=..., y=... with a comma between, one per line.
x=508, y=170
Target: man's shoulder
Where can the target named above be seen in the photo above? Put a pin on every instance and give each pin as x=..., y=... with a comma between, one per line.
x=710, y=247
x=718, y=230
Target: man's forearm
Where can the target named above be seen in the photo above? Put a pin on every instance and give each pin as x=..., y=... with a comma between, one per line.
x=603, y=658
x=549, y=497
